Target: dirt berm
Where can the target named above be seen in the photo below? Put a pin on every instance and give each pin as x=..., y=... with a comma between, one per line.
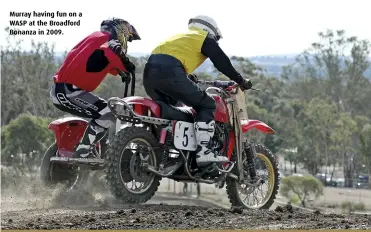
x=157, y=215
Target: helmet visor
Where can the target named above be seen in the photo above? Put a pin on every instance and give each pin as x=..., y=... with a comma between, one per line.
x=133, y=34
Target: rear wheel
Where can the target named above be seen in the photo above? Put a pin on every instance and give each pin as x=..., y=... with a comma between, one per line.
x=256, y=198
x=127, y=180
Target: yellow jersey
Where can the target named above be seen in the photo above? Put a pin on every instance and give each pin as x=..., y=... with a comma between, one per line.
x=185, y=47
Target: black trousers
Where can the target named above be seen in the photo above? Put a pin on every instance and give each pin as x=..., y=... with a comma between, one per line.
x=165, y=80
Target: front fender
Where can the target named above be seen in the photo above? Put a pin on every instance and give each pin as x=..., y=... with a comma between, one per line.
x=259, y=125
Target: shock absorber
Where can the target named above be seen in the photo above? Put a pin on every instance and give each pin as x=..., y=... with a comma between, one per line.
x=249, y=150
x=167, y=146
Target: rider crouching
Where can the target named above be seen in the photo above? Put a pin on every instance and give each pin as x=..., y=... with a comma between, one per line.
x=84, y=68
x=165, y=77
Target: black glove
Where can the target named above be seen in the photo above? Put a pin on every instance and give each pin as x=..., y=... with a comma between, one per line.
x=245, y=85
x=193, y=77
x=130, y=66
x=125, y=77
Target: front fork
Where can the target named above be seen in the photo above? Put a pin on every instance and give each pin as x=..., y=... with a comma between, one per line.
x=245, y=151
x=250, y=154
x=246, y=156
x=239, y=144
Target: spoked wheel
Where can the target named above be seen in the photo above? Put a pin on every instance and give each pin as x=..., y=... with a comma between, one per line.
x=141, y=180
x=258, y=194
x=125, y=174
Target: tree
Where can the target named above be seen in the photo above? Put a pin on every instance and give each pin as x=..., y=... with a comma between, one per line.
x=341, y=138
x=304, y=187
x=24, y=140
x=342, y=62
x=333, y=69
x=26, y=79
x=365, y=142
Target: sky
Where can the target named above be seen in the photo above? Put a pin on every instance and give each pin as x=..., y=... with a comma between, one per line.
x=250, y=28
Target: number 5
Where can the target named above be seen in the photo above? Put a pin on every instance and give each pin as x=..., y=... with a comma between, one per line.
x=185, y=142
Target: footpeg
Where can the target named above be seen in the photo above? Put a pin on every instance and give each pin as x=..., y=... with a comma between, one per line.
x=68, y=160
x=229, y=169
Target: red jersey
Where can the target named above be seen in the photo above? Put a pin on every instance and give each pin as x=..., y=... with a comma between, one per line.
x=73, y=70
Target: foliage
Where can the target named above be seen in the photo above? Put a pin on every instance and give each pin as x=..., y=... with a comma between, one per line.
x=24, y=140
x=328, y=86
x=350, y=207
x=26, y=78
x=303, y=187
x=294, y=199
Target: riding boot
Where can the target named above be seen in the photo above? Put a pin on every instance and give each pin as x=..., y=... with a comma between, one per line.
x=204, y=132
x=92, y=135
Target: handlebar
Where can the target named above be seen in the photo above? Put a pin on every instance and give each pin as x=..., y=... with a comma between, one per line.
x=218, y=83
x=227, y=85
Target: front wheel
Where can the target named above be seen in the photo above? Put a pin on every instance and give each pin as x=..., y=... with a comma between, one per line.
x=126, y=178
x=256, y=197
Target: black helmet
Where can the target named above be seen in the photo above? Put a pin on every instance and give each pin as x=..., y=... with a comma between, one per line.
x=120, y=29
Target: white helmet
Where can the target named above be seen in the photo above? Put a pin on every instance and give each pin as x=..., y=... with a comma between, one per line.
x=206, y=23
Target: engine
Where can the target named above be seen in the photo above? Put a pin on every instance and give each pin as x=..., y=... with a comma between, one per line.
x=219, y=139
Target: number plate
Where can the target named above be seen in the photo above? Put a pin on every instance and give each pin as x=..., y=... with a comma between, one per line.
x=184, y=136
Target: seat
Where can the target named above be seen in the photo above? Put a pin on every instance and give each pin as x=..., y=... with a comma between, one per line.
x=176, y=113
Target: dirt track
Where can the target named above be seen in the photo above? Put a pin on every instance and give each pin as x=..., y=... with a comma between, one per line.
x=156, y=215
x=51, y=209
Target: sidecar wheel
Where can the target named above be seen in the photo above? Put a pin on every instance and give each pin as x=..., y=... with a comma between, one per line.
x=52, y=174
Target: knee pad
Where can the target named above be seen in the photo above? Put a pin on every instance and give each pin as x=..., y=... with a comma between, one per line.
x=105, y=121
x=96, y=127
